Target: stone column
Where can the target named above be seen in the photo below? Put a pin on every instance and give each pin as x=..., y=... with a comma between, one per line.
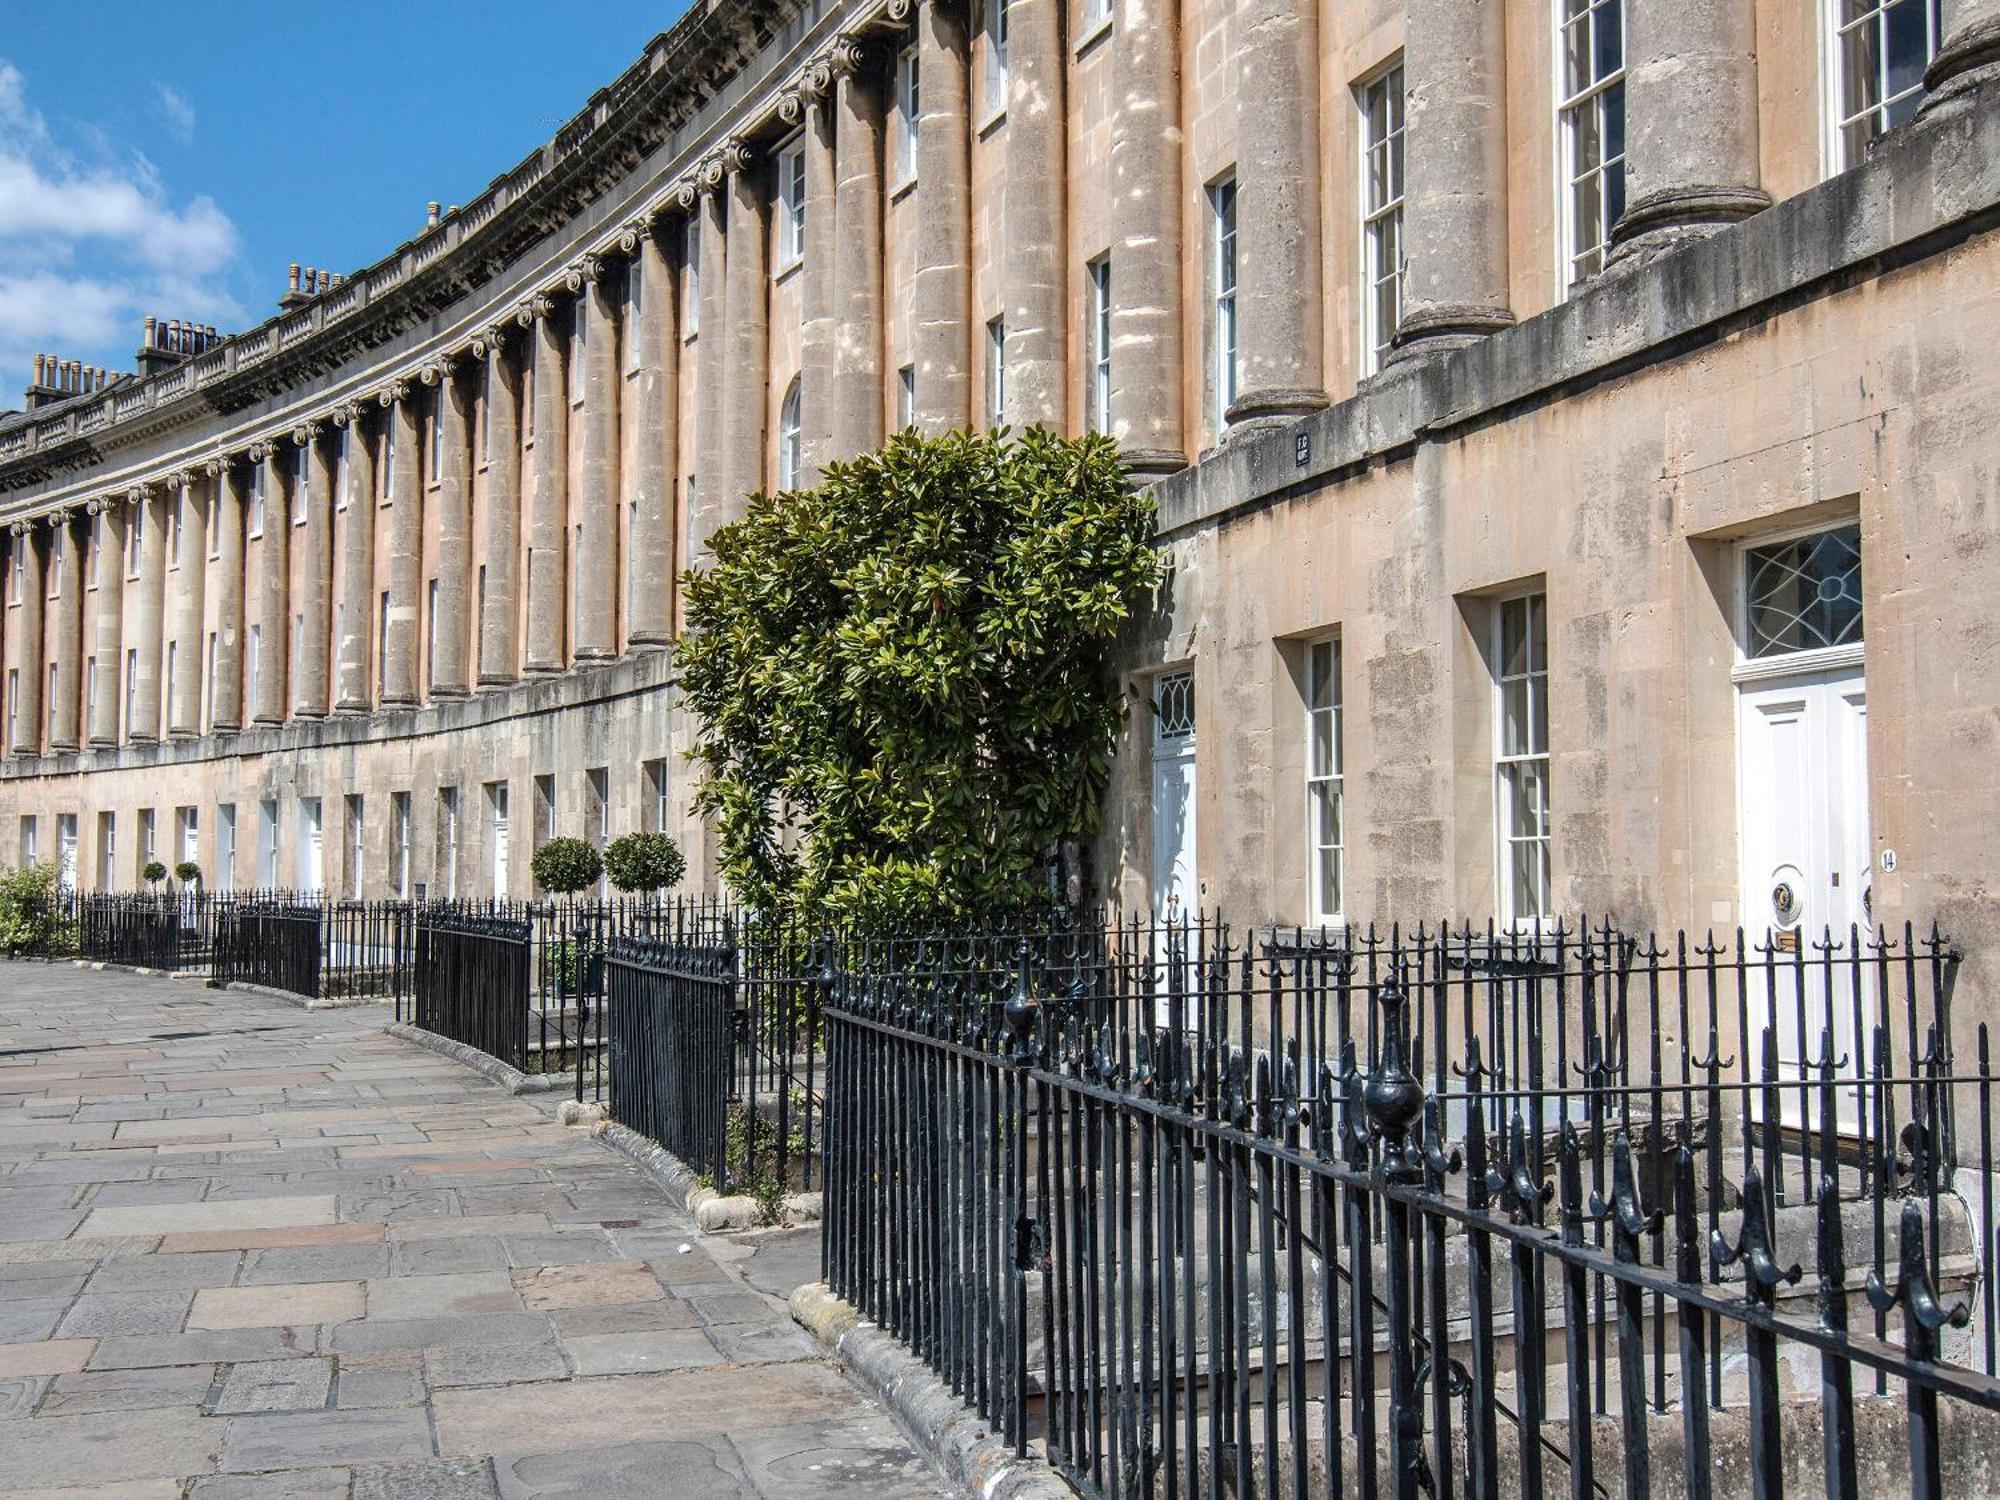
x=1968, y=56
x=941, y=297
x=184, y=712
x=1279, y=337
x=1454, y=177
x=231, y=478
x=596, y=560
x=1032, y=220
x=746, y=375
x=309, y=693
x=548, y=501
x=69, y=727
x=1146, y=396
x=1691, y=161
x=27, y=705
x=816, y=332
x=273, y=591
x=357, y=564
x=711, y=350
x=151, y=605
x=448, y=659
x=406, y=540
x=499, y=616
x=655, y=386
x=107, y=563
x=857, y=264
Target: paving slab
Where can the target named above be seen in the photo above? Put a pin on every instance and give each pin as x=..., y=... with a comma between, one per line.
x=277, y=1385
x=273, y=1306
x=291, y=1258
x=257, y=1444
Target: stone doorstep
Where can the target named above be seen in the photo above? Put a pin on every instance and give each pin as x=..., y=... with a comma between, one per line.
x=713, y=1212
x=946, y=1429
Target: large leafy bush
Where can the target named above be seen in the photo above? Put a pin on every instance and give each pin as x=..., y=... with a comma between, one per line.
x=901, y=678
x=33, y=918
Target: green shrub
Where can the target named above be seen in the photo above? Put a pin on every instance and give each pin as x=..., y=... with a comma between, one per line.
x=901, y=675
x=644, y=862
x=32, y=916
x=154, y=872
x=187, y=872
x=565, y=866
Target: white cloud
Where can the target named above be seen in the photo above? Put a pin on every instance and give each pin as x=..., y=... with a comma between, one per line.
x=176, y=110
x=91, y=242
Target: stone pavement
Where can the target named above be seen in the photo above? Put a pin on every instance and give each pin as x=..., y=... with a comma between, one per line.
x=247, y=1250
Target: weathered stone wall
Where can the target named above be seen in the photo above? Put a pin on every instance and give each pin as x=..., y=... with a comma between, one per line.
x=1819, y=364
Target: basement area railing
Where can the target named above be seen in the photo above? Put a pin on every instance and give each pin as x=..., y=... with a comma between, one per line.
x=1435, y=1212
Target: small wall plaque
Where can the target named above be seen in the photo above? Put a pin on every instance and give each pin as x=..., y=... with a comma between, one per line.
x=1302, y=449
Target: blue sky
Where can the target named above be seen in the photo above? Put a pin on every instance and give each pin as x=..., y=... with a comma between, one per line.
x=171, y=157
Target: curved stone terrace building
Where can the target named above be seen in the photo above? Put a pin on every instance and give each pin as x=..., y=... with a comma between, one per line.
x=1573, y=423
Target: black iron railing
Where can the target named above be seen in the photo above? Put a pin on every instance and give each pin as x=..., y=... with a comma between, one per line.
x=672, y=1020
x=1462, y=1212
x=170, y=931
x=715, y=1049
x=471, y=981
x=280, y=947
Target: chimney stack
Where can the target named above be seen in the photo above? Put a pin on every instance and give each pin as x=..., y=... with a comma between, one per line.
x=56, y=379
x=431, y=221
x=169, y=341
x=303, y=283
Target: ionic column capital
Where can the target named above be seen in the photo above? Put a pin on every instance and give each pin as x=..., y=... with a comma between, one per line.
x=791, y=106
x=304, y=434
x=18, y=528
x=140, y=493
x=844, y=57
x=180, y=479
x=60, y=517
x=257, y=452
x=686, y=193
x=490, y=343
x=635, y=234
x=582, y=272
x=534, y=308
x=900, y=11
x=96, y=506
x=392, y=393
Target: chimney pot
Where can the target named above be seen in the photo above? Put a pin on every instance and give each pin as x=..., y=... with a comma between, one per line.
x=295, y=275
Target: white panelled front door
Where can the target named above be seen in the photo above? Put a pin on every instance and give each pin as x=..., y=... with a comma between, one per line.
x=1176, y=895
x=312, y=865
x=1806, y=851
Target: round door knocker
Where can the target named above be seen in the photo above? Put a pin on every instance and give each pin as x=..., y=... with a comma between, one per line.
x=1785, y=903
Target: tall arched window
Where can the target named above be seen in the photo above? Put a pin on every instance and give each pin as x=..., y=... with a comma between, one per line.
x=788, y=438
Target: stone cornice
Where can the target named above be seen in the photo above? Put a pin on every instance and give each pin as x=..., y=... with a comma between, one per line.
x=683, y=72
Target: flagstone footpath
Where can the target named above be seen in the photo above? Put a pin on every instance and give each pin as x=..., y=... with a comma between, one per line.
x=250, y=1251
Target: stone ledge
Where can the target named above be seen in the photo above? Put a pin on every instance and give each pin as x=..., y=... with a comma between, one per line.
x=582, y=687
x=1926, y=186
x=510, y=1078
x=954, y=1436
x=713, y=1212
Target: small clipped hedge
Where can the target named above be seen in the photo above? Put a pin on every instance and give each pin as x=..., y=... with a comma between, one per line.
x=154, y=872
x=565, y=866
x=187, y=872
x=644, y=862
